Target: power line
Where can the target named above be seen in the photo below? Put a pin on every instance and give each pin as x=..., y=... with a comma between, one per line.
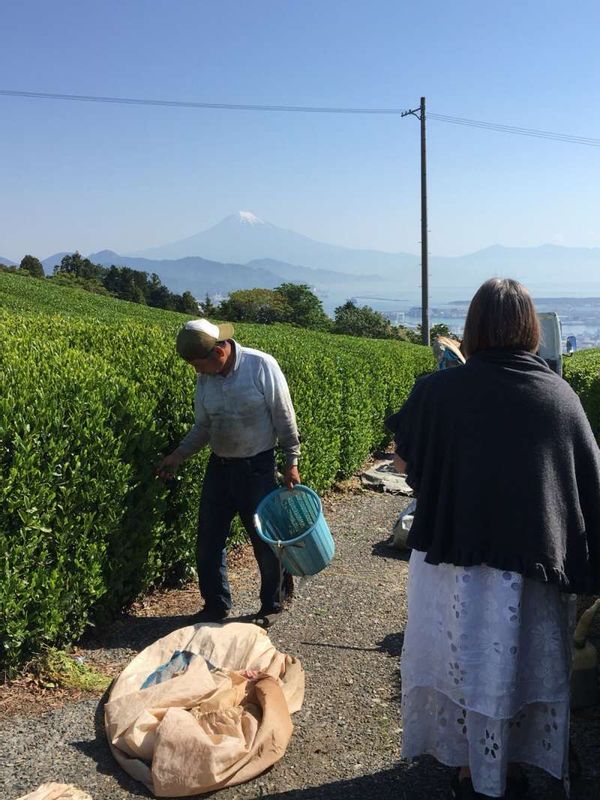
x=188, y=104
x=496, y=126
x=473, y=123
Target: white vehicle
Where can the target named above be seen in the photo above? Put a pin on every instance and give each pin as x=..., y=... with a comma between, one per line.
x=551, y=345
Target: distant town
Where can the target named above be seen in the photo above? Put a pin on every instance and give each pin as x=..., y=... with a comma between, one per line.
x=579, y=316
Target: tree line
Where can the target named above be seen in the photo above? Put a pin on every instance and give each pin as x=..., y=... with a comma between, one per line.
x=299, y=305
x=291, y=303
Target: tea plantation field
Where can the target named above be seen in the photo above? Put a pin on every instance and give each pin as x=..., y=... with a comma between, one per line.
x=93, y=394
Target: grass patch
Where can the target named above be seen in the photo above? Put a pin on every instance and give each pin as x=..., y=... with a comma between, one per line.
x=57, y=669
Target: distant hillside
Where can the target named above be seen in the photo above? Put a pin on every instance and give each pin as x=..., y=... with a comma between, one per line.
x=54, y=260
x=324, y=278
x=198, y=275
x=7, y=262
x=546, y=264
x=201, y=276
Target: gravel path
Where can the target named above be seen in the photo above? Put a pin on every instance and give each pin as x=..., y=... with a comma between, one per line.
x=346, y=626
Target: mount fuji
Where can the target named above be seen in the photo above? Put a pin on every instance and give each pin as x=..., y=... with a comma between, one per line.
x=243, y=251
x=244, y=237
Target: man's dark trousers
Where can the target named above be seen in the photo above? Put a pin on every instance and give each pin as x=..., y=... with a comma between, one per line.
x=233, y=486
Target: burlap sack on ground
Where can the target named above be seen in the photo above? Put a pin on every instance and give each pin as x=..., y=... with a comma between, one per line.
x=205, y=707
x=57, y=791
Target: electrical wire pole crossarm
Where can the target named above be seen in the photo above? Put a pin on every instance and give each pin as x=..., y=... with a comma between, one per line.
x=419, y=113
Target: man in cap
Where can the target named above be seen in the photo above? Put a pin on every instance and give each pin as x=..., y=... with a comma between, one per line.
x=242, y=409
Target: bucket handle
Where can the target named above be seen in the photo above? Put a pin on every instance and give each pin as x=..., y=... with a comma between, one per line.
x=278, y=543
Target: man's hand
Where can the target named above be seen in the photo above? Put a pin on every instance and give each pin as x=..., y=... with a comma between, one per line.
x=169, y=465
x=291, y=477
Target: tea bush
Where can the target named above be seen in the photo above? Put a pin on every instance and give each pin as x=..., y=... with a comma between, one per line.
x=91, y=398
x=582, y=371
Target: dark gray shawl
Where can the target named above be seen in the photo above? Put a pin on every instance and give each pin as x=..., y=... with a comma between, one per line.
x=506, y=470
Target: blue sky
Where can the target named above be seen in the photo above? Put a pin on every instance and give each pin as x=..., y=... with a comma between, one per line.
x=90, y=176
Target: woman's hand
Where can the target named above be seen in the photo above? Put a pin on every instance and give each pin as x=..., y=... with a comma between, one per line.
x=399, y=464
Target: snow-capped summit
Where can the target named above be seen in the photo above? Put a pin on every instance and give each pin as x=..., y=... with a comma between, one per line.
x=242, y=237
x=249, y=218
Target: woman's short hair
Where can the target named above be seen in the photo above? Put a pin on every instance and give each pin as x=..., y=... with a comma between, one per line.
x=501, y=314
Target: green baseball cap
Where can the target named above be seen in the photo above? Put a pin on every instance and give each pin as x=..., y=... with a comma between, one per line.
x=198, y=337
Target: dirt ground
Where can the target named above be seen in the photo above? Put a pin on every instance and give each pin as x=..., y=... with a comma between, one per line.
x=344, y=624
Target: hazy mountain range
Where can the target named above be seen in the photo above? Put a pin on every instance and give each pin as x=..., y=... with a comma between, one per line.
x=243, y=251
x=244, y=237
x=202, y=276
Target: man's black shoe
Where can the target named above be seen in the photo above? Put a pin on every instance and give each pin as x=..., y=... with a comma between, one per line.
x=211, y=615
x=267, y=617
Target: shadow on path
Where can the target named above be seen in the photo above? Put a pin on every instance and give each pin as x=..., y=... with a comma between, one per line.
x=384, y=549
x=392, y=646
x=137, y=633
x=97, y=750
x=425, y=780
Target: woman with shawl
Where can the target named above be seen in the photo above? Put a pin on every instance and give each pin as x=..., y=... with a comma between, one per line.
x=507, y=473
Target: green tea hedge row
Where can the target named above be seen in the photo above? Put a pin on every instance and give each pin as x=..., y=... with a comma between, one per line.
x=24, y=294
x=87, y=409
x=582, y=371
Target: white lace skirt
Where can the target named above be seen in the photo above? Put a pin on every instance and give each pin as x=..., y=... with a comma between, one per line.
x=485, y=671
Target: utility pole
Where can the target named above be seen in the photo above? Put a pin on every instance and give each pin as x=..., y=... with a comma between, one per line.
x=419, y=113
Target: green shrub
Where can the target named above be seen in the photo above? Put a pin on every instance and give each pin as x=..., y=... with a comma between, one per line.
x=582, y=371
x=90, y=403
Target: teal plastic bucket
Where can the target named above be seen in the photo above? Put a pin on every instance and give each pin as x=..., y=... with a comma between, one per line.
x=293, y=525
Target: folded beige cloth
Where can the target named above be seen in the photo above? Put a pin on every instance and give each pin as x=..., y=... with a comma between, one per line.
x=205, y=707
x=56, y=791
